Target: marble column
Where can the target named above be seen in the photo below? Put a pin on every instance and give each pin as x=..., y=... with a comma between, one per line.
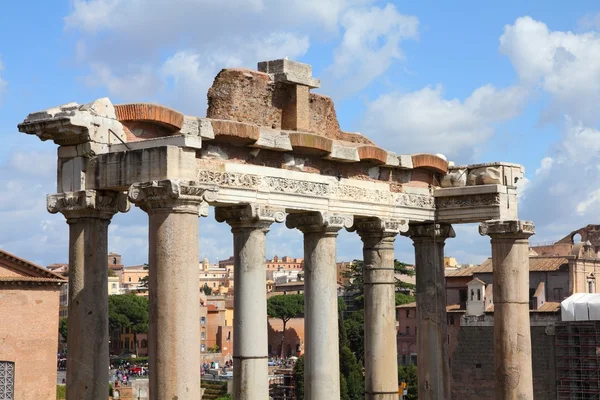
x=249, y=225
x=321, y=357
x=432, y=329
x=381, y=364
x=88, y=214
x=173, y=278
x=512, y=337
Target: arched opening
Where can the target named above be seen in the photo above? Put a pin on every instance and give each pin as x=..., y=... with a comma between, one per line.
x=576, y=238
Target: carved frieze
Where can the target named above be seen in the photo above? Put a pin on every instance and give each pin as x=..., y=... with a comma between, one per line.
x=519, y=228
x=87, y=204
x=478, y=200
x=175, y=195
x=384, y=225
x=415, y=201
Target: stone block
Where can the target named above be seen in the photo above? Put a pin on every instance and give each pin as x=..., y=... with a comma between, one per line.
x=405, y=161
x=456, y=177
x=495, y=173
x=273, y=139
x=343, y=153
x=288, y=71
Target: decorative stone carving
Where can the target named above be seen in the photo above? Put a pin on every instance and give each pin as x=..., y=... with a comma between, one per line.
x=507, y=227
x=72, y=123
x=486, y=176
x=478, y=200
x=430, y=230
x=250, y=215
x=319, y=221
x=174, y=195
x=415, y=201
x=455, y=178
x=383, y=225
x=87, y=204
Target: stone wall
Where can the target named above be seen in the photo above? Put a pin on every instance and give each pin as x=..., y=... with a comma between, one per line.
x=472, y=364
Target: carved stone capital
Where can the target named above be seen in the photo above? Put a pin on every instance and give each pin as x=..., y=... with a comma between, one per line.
x=319, y=221
x=250, y=215
x=383, y=225
x=507, y=228
x=172, y=195
x=87, y=204
x=438, y=232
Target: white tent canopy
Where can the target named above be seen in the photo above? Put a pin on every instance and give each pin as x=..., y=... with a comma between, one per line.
x=581, y=307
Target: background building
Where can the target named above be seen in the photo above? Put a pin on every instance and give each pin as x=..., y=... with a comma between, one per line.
x=29, y=296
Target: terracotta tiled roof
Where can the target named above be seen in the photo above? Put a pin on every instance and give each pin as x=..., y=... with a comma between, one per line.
x=212, y=307
x=535, y=264
x=29, y=280
x=450, y=307
x=28, y=267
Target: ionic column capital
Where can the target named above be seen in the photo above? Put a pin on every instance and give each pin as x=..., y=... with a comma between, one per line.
x=87, y=204
x=172, y=195
x=254, y=216
x=510, y=229
x=428, y=231
x=310, y=222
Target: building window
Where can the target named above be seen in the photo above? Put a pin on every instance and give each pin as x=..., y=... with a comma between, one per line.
x=203, y=348
x=203, y=336
x=451, y=319
x=7, y=380
x=407, y=313
x=129, y=279
x=591, y=286
x=408, y=330
x=202, y=320
x=229, y=335
x=472, y=295
x=214, y=284
x=114, y=285
x=478, y=294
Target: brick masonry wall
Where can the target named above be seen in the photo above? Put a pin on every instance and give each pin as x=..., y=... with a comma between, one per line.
x=472, y=364
x=29, y=338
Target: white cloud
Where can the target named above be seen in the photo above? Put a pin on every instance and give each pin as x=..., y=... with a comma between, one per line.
x=370, y=44
x=3, y=83
x=563, y=64
x=133, y=46
x=424, y=121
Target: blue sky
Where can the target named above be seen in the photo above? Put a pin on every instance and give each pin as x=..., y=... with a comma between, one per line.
x=477, y=82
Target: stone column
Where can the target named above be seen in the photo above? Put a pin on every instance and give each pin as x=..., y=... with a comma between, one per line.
x=381, y=364
x=173, y=275
x=432, y=344
x=249, y=225
x=321, y=358
x=512, y=336
x=88, y=214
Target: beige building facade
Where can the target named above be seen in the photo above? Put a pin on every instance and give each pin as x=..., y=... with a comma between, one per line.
x=29, y=296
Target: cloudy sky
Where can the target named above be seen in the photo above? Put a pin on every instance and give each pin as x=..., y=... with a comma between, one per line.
x=478, y=82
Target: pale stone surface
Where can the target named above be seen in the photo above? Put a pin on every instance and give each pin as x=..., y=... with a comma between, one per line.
x=405, y=161
x=456, y=177
x=321, y=360
x=273, y=139
x=288, y=71
x=72, y=123
x=495, y=173
x=174, y=309
x=381, y=369
x=342, y=153
x=512, y=349
x=432, y=345
x=214, y=152
x=88, y=214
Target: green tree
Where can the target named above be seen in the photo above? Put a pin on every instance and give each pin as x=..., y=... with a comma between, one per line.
x=206, y=289
x=144, y=280
x=408, y=374
x=285, y=307
x=63, y=327
x=299, y=378
x=128, y=311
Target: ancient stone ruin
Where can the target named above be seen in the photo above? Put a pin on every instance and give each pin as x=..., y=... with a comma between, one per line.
x=270, y=151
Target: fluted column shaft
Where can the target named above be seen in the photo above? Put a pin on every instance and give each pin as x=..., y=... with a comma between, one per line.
x=88, y=214
x=512, y=336
x=432, y=345
x=321, y=356
x=381, y=365
x=249, y=226
x=174, y=296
